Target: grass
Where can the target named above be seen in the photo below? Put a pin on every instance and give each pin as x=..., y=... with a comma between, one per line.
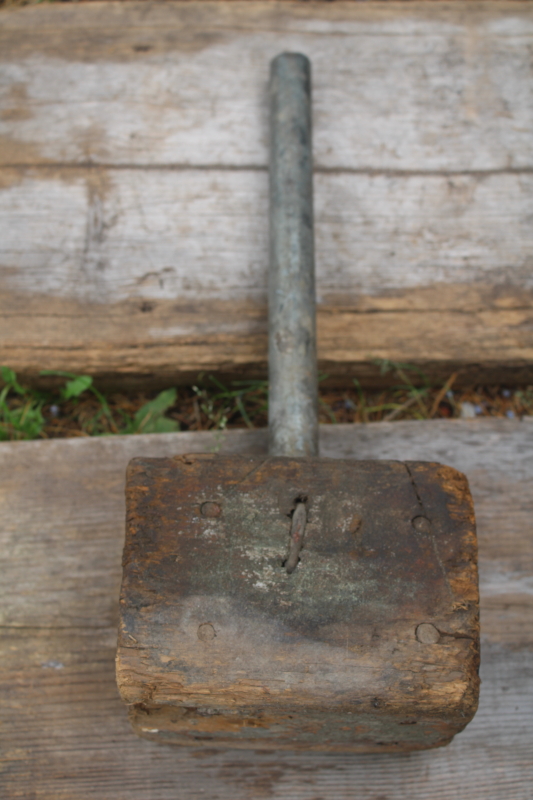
x=78, y=408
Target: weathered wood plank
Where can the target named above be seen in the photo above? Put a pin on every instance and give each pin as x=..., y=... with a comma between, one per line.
x=68, y=736
x=182, y=236
x=65, y=732
x=133, y=175
x=141, y=273
x=422, y=87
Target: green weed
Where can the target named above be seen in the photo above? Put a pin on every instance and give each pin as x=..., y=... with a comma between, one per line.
x=247, y=401
x=150, y=418
x=21, y=409
x=23, y=419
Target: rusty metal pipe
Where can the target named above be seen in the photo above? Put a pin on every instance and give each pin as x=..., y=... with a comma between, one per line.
x=293, y=397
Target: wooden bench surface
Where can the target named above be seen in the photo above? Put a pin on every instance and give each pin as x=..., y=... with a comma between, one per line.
x=65, y=732
x=133, y=185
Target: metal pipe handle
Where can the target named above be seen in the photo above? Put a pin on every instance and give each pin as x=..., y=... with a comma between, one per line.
x=293, y=394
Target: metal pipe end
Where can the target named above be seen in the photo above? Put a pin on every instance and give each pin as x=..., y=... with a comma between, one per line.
x=287, y=66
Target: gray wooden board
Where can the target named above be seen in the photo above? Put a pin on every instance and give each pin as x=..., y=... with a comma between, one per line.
x=133, y=185
x=65, y=732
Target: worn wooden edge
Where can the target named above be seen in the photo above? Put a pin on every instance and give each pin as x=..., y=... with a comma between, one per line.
x=154, y=344
x=145, y=719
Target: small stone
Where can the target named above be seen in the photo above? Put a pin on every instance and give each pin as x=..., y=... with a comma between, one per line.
x=426, y=633
x=468, y=410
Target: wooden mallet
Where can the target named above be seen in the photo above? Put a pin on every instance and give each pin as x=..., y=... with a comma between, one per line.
x=293, y=601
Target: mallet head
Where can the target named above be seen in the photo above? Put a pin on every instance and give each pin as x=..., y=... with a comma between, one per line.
x=369, y=644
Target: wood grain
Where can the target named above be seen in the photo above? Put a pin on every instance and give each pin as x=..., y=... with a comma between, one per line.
x=65, y=732
x=134, y=186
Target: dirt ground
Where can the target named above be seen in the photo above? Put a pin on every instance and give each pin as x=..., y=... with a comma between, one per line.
x=212, y=407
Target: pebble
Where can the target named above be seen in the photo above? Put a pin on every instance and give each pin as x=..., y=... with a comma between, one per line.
x=468, y=410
